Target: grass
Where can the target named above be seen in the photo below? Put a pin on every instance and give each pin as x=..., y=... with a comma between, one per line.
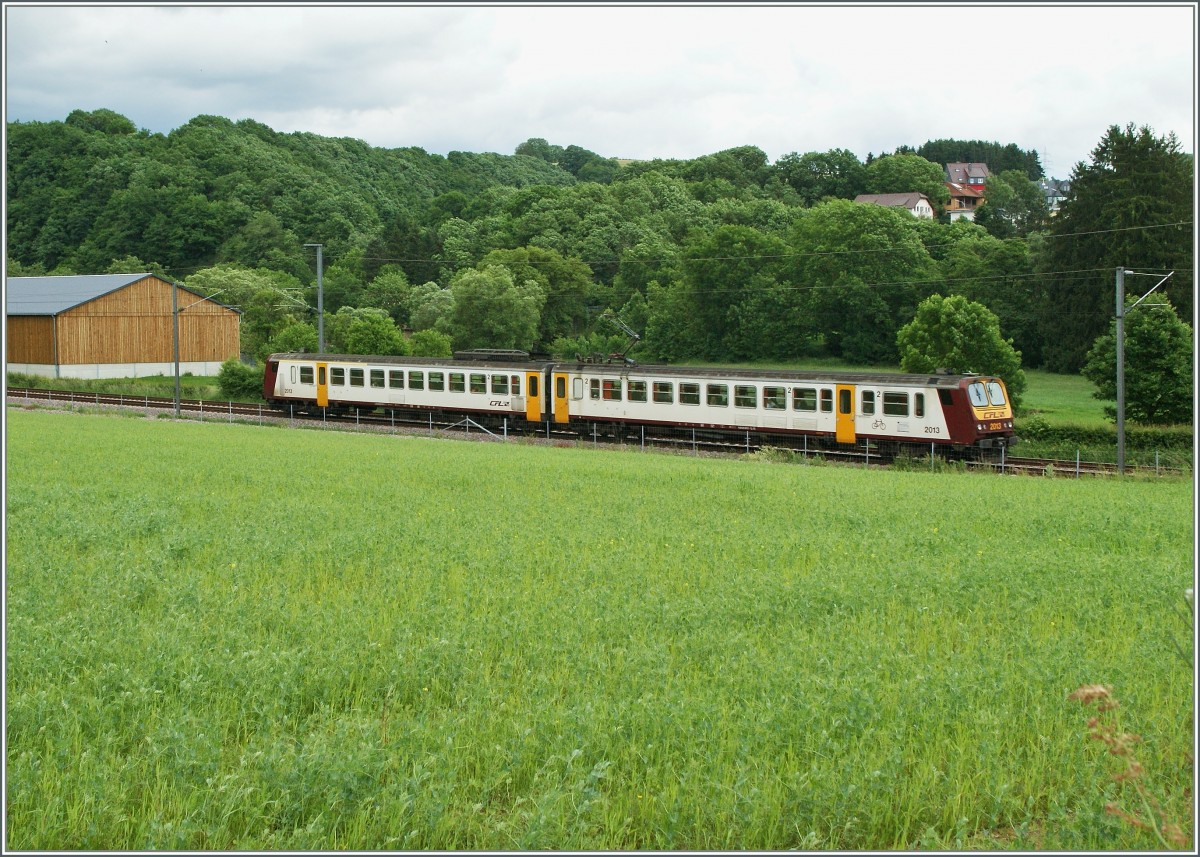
x=191, y=386
x=226, y=636
x=1063, y=400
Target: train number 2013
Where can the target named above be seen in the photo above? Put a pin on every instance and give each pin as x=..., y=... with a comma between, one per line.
x=933, y=429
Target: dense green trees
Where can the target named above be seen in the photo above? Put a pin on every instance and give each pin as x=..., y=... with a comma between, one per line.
x=1158, y=364
x=723, y=257
x=1131, y=207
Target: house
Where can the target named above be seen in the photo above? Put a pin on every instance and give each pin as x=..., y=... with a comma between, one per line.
x=964, y=199
x=975, y=175
x=114, y=326
x=917, y=204
x=1055, y=191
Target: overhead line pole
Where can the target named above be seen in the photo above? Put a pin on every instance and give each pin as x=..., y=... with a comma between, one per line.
x=1121, y=272
x=320, y=301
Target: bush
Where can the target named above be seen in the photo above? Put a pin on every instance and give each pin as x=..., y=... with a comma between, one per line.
x=238, y=381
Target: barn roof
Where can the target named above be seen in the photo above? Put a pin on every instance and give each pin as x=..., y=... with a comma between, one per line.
x=53, y=295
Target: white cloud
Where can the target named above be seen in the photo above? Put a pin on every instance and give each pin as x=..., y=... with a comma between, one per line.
x=623, y=81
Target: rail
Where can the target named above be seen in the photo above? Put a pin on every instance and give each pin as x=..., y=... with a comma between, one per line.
x=684, y=440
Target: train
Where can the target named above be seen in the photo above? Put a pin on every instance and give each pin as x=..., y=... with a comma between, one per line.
x=956, y=414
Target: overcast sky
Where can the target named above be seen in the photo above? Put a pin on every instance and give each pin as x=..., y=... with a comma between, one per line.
x=622, y=80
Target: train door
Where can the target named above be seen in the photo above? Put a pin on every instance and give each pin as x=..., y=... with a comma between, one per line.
x=562, y=412
x=323, y=385
x=845, y=414
x=533, y=397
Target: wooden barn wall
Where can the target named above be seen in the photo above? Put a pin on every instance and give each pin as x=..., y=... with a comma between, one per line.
x=134, y=325
x=30, y=339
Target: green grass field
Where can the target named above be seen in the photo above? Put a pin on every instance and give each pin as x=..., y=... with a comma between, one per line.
x=238, y=637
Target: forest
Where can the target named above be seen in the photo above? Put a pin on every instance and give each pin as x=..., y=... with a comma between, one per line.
x=725, y=257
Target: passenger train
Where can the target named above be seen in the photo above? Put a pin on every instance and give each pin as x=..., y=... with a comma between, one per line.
x=959, y=413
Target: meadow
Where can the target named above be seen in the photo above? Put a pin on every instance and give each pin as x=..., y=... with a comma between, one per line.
x=240, y=637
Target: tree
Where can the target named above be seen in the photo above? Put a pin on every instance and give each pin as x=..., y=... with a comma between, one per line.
x=962, y=336
x=905, y=173
x=817, y=175
x=859, y=272
x=1158, y=364
x=1131, y=207
x=1013, y=205
x=364, y=331
x=492, y=311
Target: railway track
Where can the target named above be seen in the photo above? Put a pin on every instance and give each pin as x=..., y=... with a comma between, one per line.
x=694, y=443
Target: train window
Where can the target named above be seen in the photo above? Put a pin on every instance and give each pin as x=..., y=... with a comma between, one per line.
x=478, y=382
x=718, y=395
x=396, y=379
x=977, y=394
x=995, y=393
x=500, y=385
x=804, y=398
x=458, y=382
x=612, y=390
x=827, y=401
x=845, y=402
x=416, y=380
x=516, y=385
x=637, y=391
x=533, y=386
x=664, y=392
x=337, y=376
x=868, y=402
x=437, y=381
x=689, y=393
x=919, y=404
x=294, y=374
x=306, y=374
x=356, y=377
x=945, y=398
x=594, y=388
x=895, y=404
x=560, y=387
x=775, y=398
x=321, y=375
x=745, y=397
x=376, y=377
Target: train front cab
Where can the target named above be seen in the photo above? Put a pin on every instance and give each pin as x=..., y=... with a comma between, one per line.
x=992, y=412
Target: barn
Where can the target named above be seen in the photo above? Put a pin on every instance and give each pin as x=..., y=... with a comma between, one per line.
x=113, y=326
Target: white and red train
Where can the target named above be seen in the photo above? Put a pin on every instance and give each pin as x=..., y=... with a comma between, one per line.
x=959, y=412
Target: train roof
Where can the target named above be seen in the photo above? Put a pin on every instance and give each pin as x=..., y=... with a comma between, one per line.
x=929, y=379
